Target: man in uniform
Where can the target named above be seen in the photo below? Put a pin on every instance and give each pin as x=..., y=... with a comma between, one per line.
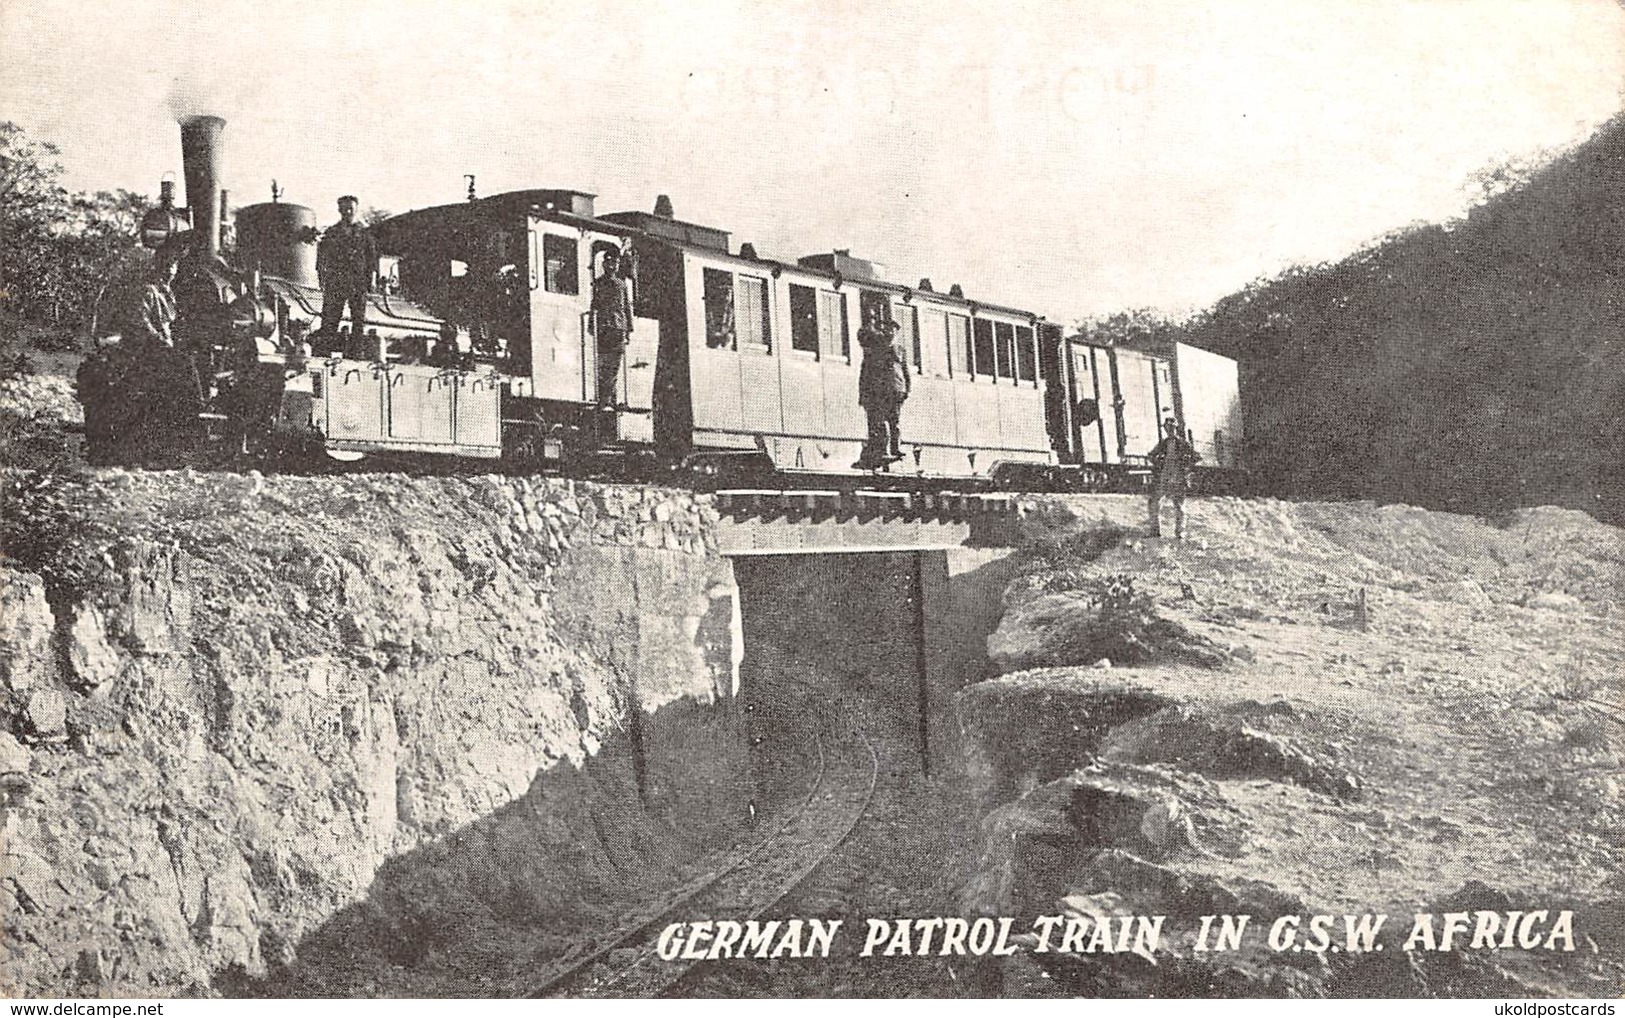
x=1171, y=463
x=612, y=323
x=346, y=262
x=883, y=385
x=131, y=382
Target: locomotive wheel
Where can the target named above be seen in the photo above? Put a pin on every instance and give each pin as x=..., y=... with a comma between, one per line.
x=304, y=454
x=522, y=454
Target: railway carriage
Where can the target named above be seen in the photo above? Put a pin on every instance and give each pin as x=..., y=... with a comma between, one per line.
x=764, y=362
x=733, y=358
x=1107, y=403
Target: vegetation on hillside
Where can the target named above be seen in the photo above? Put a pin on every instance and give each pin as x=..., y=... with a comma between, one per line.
x=61, y=247
x=1475, y=366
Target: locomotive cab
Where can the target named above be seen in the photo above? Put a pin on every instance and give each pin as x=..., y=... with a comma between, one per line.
x=516, y=271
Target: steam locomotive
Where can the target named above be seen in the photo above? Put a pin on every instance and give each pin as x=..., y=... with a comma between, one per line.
x=478, y=345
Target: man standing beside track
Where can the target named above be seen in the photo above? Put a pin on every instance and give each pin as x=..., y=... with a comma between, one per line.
x=1171, y=463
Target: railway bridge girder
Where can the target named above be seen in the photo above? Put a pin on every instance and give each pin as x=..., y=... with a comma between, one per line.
x=767, y=522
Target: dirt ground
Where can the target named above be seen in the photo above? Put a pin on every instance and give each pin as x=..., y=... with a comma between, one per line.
x=1413, y=711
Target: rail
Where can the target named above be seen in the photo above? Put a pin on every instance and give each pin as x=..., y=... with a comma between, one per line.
x=750, y=884
x=811, y=502
x=1612, y=711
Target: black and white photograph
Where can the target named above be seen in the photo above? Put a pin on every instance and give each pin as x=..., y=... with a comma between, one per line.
x=875, y=499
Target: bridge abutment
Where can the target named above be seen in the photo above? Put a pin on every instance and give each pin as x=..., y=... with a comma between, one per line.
x=877, y=639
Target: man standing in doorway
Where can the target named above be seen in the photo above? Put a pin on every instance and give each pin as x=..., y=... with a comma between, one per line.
x=346, y=262
x=883, y=385
x=612, y=323
x=1171, y=463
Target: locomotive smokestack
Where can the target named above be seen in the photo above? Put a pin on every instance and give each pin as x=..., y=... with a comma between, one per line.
x=201, y=163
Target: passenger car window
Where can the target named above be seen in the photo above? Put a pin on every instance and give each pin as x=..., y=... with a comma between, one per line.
x=959, y=345
x=719, y=309
x=983, y=348
x=559, y=270
x=833, y=338
x=1005, y=343
x=751, y=314
x=908, y=333
x=1026, y=355
x=803, y=318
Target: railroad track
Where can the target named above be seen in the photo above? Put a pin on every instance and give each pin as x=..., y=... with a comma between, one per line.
x=625, y=962
x=1612, y=711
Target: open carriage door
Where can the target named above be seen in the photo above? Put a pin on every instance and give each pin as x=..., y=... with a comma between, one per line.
x=1089, y=412
x=562, y=354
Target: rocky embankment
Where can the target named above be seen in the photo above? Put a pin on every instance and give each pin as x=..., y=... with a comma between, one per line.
x=421, y=722
x=387, y=735
x=1338, y=709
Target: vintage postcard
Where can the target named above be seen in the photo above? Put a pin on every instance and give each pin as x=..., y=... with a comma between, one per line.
x=836, y=499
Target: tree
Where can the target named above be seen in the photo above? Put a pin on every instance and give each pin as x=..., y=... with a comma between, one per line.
x=31, y=201
x=1139, y=327
x=61, y=247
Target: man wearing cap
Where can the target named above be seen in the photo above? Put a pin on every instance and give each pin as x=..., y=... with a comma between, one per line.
x=346, y=262
x=883, y=385
x=612, y=321
x=1171, y=463
x=128, y=384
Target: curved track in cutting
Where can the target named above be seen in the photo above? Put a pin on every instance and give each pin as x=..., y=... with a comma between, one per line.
x=626, y=962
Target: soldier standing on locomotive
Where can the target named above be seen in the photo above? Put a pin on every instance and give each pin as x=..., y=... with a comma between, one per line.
x=346, y=262
x=883, y=385
x=612, y=321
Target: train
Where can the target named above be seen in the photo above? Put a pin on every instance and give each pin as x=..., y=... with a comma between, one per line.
x=478, y=348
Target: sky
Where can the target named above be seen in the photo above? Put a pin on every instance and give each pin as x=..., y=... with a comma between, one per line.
x=1071, y=158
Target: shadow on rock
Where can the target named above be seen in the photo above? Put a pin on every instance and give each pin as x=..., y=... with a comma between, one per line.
x=487, y=907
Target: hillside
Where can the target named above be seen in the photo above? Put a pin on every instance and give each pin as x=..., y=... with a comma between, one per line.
x=1400, y=711
x=1476, y=366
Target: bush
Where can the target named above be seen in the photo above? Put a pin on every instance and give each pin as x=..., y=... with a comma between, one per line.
x=1121, y=624
x=60, y=247
x=19, y=365
x=1056, y=564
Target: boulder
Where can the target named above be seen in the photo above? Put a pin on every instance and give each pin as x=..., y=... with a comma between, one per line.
x=1467, y=592
x=1019, y=642
x=26, y=624
x=92, y=658
x=47, y=712
x=1554, y=601
x=14, y=756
